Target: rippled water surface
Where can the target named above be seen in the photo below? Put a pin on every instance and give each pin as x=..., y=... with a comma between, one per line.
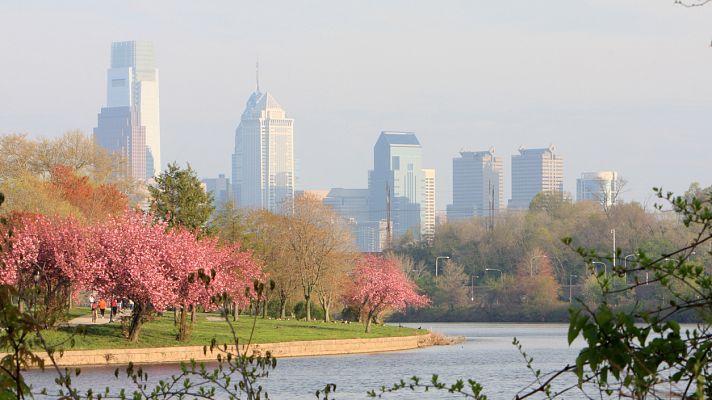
x=487, y=356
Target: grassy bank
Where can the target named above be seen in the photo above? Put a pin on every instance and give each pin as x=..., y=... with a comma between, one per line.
x=162, y=333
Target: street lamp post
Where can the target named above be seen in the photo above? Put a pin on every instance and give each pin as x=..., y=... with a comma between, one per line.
x=605, y=267
x=613, y=232
x=501, y=274
x=570, y=285
x=472, y=286
x=436, y=262
x=625, y=265
x=531, y=261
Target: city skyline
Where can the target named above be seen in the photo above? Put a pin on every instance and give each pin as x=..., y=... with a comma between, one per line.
x=582, y=87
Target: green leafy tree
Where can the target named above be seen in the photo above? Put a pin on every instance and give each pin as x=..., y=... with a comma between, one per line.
x=178, y=198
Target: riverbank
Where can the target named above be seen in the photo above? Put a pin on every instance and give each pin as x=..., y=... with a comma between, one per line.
x=169, y=355
x=161, y=332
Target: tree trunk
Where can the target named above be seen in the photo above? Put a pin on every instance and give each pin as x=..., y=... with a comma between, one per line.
x=369, y=319
x=192, y=313
x=282, y=308
x=325, y=307
x=235, y=311
x=264, y=309
x=183, y=328
x=137, y=321
x=307, y=306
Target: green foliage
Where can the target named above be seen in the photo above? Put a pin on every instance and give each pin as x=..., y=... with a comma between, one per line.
x=178, y=198
x=300, y=311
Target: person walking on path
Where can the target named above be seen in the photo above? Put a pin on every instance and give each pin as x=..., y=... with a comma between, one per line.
x=102, y=307
x=114, y=307
x=93, y=311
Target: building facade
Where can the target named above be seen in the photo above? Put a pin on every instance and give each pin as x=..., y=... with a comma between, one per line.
x=396, y=184
x=601, y=187
x=427, y=216
x=535, y=171
x=477, y=185
x=220, y=188
x=263, y=161
x=119, y=131
x=132, y=81
x=353, y=206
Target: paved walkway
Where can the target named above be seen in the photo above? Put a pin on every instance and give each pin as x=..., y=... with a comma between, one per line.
x=86, y=319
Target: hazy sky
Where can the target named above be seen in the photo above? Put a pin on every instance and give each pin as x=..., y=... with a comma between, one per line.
x=614, y=84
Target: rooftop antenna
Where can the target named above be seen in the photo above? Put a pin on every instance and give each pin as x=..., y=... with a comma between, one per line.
x=257, y=74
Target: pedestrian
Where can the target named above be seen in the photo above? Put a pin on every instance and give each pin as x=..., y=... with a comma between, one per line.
x=91, y=299
x=102, y=307
x=114, y=307
x=93, y=311
x=131, y=304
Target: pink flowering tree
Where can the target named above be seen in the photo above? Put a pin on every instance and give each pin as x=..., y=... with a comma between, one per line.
x=50, y=255
x=135, y=255
x=379, y=285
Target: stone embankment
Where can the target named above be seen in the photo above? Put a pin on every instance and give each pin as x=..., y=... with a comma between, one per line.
x=167, y=355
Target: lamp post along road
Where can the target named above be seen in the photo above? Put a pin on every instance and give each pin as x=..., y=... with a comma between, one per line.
x=436, y=262
x=605, y=267
x=501, y=274
x=625, y=265
x=570, y=285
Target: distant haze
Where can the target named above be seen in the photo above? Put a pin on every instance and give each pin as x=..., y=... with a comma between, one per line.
x=614, y=84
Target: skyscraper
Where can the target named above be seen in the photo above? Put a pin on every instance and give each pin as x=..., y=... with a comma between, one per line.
x=600, y=187
x=477, y=185
x=132, y=81
x=427, y=217
x=396, y=183
x=263, y=162
x=119, y=131
x=220, y=188
x=535, y=171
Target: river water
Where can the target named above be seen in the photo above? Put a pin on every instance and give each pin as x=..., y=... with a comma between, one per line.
x=487, y=355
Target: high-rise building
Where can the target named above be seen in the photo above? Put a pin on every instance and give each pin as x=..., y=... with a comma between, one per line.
x=220, y=188
x=396, y=183
x=119, y=131
x=263, y=162
x=600, y=187
x=132, y=81
x=427, y=217
x=477, y=185
x=535, y=171
x=352, y=206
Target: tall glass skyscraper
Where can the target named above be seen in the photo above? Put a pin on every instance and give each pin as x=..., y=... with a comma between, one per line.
x=477, y=185
x=132, y=81
x=535, y=171
x=263, y=162
x=397, y=168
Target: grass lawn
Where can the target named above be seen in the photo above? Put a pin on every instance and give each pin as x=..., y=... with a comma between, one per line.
x=162, y=333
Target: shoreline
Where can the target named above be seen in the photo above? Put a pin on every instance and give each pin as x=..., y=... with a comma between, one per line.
x=172, y=355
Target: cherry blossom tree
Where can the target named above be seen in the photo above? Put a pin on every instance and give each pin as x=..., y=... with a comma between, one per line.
x=135, y=256
x=50, y=254
x=379, y=285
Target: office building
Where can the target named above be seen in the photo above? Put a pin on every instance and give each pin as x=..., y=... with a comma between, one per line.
x=477, y=185
x=220, y=188
x=352, y=206
x=396, y=184
x=132, y=81
x=263, y=161
x=535, y=171
x=427, y=216
x=119, y=131
x=601, y=187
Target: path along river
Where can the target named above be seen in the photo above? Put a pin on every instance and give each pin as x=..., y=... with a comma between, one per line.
x=487, y=356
